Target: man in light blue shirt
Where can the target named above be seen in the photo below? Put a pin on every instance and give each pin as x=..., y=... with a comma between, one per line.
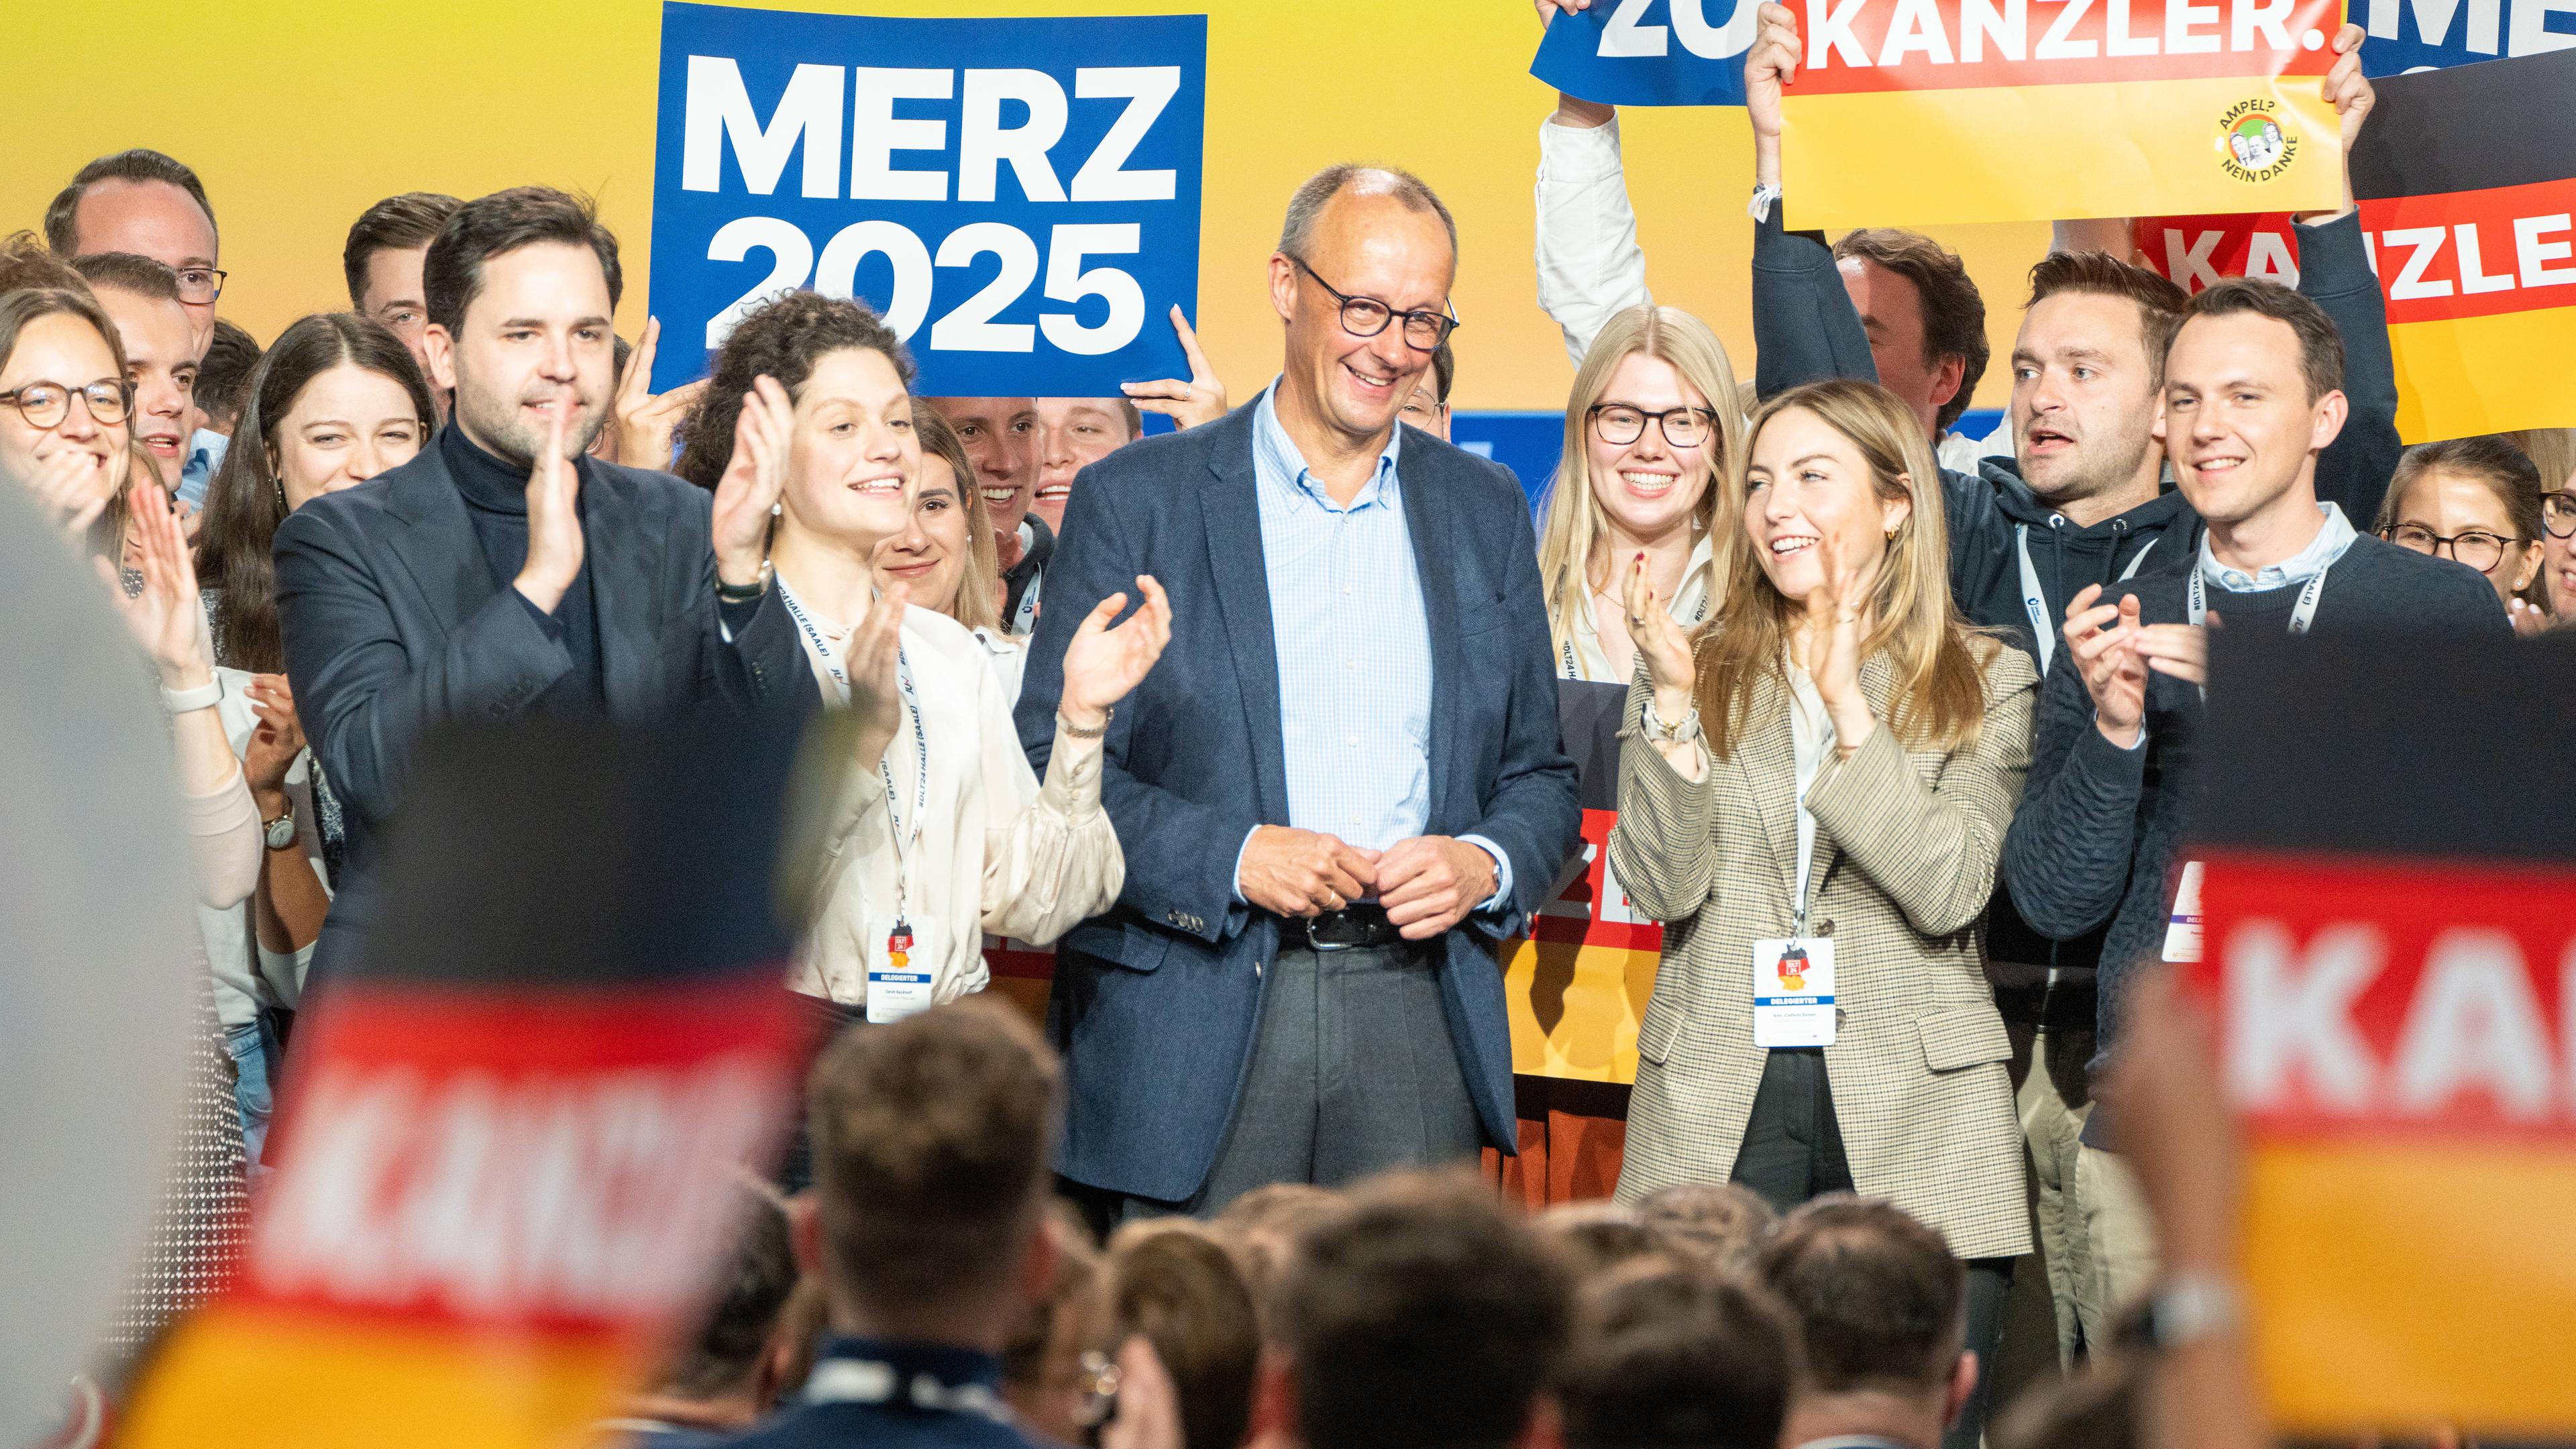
x=1344, y=779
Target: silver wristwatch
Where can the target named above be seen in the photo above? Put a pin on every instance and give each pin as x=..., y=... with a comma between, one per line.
x=281, y=831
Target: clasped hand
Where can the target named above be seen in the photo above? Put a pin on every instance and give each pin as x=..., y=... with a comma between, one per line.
x=1426, y=884
x=2115, y=651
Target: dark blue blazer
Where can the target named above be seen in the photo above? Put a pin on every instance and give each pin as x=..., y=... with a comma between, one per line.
x=392, y=621
x=1155, y=1002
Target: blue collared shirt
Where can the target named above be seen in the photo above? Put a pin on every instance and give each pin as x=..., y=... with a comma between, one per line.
x=2319, y=556
x=1354, y=648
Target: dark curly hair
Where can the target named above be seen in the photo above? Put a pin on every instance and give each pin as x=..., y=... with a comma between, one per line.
x=782, y=338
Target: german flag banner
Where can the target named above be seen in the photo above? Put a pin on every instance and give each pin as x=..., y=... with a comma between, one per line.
x=2392, y=954
x=1923, y=112
x=2466, y=179
x=506, y=1155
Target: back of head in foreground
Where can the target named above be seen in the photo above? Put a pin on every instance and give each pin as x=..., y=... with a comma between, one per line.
x=931, y=1141
x=1425, y=1315
x=1879, y=1307
x=1673, y=1355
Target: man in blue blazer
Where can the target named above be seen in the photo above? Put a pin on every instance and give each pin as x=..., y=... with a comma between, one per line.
x=1345, y=778
x=503, y=572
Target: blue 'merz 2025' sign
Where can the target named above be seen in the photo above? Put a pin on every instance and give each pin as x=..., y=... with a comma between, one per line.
x=1019, y=198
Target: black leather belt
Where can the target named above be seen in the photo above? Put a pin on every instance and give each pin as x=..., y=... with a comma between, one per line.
x=1352, y=926
x=2064, y=1005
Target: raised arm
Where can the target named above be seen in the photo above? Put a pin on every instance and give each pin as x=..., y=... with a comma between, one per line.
x=2335, y=273
x=1590, y=268
x=1805, y=328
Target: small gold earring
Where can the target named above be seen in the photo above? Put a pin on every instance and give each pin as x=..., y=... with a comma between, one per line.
x=1891, y=535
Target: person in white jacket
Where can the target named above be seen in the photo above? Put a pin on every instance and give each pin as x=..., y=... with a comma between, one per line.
x=941, y=833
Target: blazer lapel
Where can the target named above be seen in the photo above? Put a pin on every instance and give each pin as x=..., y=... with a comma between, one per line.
x=1878, y=682
x=1768, y=758
x=1425, y=519
x=439, y=553
x=621, y=592
x=1231, y=507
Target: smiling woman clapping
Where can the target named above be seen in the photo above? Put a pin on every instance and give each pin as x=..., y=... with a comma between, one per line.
x=1813, y=795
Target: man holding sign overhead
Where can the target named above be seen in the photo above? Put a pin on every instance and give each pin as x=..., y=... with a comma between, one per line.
x=1347, y=773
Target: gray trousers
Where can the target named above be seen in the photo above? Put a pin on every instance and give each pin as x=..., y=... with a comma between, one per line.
x=1353, y=1072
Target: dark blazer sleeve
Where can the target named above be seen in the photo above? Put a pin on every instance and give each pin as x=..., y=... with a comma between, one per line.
x=1180, y=852
x=2067, y=854
x=361, y=693
x=1804, y=326
x=1534, y=809
x=749, y=656
x=2334, y=272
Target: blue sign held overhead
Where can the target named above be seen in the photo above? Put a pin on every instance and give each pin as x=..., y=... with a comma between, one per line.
x=2429, y=34
x=1651, y=52
x=1019, y=198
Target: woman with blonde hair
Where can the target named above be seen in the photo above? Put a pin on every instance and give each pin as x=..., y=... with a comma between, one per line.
x=1650, y=427
x=1813, y=794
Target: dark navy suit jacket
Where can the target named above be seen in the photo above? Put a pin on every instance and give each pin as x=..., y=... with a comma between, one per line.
x=1155, y=1003
x=393, y=621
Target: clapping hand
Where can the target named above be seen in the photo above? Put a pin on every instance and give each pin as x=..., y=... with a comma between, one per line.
x=874, y=653
x=1835, y=638
x=72, y=486
x=1670, y=669
x=277, y=740
x=554, y=521
x=754, y=479
x=1201, y=399
x=1103, y=664
x=166, y=618
x=645, y=421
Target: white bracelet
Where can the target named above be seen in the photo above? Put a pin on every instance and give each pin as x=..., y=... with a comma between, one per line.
x=1661, y=734
x=204, y=696
x=2190, y=1307
x=1764, y=195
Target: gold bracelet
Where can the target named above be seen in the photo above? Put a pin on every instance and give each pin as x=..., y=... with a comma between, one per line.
x=1074, y=732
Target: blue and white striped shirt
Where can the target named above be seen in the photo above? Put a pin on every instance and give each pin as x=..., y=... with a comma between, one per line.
x=1354, y=648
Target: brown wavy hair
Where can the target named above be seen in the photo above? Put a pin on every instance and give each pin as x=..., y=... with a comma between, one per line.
x=782, y=338
x=1940, y=698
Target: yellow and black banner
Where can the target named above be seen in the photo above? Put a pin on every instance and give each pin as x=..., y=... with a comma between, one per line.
x=1923, y=112
x=2392, y=953
x=2466, y=180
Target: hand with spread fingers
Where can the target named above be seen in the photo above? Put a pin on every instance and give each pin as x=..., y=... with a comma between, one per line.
x=754, y=478
x=2101, y=639
x=1103, y=665
x=645, y=421
x=1199, y=399
x=1837, y=632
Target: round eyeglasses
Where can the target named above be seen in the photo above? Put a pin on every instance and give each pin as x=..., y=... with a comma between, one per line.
x=46, y=404
x=2477, y=548
x=1619, y=424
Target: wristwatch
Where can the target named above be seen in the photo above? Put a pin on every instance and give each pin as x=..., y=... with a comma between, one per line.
x=281, y=831
x=2191, y=1306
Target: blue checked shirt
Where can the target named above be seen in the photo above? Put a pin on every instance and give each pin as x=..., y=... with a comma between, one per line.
x=1354, y=650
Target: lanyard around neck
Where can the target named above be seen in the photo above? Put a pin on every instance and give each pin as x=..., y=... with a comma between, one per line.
x=2043, y=635
x=831, y=656
x=874, y=1381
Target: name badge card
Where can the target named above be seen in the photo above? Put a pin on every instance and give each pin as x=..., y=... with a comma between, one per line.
x=1793, y=992
x=899, y=982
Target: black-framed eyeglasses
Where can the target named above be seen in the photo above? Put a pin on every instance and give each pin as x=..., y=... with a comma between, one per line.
x=200, y=285
x=1619, y=424
x=2558, y=514
x=45, y=404
x=2477, y=548
x=1424, y=330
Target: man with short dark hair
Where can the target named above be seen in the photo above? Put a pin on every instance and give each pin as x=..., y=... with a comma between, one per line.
x=2252, y=397
x=382, y=260
x=928, y=1228
x=1073, y=434
x=143, y=202
x=223, y=380
x=141, y=297
x=503, y=571
x=1879, y=1310
x=1347, y=780
x=1427, y=406
x=1000, y=435
x=1422, y=1313
x=730, y=1371
x=1676, y=1358
x=1925, y=319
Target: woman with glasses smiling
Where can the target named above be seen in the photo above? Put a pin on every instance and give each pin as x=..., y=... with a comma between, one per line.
x=2476, y=501
x=1649, y=427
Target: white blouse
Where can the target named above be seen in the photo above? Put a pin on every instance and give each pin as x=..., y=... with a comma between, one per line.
x=992, y=851
x=1581, y=656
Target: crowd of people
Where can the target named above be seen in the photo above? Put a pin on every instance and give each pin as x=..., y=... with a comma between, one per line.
x=1257, y=723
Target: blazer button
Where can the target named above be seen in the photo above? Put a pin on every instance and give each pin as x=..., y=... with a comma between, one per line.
x=1825, y=927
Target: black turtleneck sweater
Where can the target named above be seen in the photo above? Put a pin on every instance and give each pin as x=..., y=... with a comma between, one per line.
x=496, y=499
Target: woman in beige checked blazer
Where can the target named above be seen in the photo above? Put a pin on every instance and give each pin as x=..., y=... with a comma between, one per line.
x=1836, y=672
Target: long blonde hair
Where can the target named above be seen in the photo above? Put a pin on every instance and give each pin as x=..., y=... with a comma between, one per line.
x=1575, y=530
x=979, y=574
x=1940, y=697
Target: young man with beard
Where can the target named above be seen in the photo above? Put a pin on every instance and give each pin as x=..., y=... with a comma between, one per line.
x=2252, y=401
x=505, y=572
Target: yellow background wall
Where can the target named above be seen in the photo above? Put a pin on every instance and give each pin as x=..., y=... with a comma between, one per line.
x=299, y=114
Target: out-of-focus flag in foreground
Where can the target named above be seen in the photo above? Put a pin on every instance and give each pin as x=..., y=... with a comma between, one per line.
x=2389, y=892
x=506, y=1149
x=2466, y=180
